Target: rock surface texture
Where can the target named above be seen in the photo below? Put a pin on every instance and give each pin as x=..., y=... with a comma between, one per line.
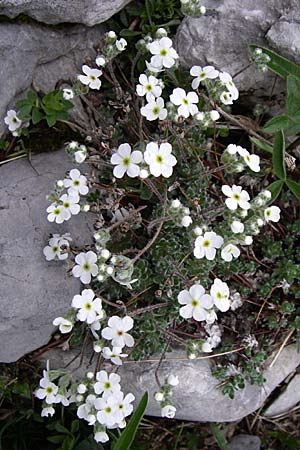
x=33, y=291
x=197, y=396
x=245, y=442
x=286, y=400
x=222, y=36
x=87, y=12
x=40, y=56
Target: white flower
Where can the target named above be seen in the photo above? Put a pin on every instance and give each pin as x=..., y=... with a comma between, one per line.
x=57, y=248
x=176, y=203
x=164, y=54
x=114, y=355
x=237, y=227
x=272, y=214
x=236, y=197
x=226, y=98
x=107, y=412
x=211, y=317
x=111, y=35
x=68, y=94
x=160, y=159
x=123, y=405
x=64, y=325
x=248, y=240
x=252, y=161
x=12, y=120
x=107, y=384
x=80, y=156
x=56, y=213
x=148, y=86
x=220, y=294
x=117, y=331
x=214, y=115
x=126, y=161
x=48, y=411
x=47, y=391
x=186, y=221
x=227, y=80
x=91, y=77
x=155, y=110
x=73, y=145
x=70, y=204
x=159, y=396
x=229, y=252
x=185, y=101
x=85, y=267
x=90, y=308
x=81, y=389
x=173, y=380
x=205, y=246
x=77, y=183
x=121, y=44
x=101, y=436
x=168, y=411
x=196, y=301
x=84, y=410
x=100, y=61
x=202, y=73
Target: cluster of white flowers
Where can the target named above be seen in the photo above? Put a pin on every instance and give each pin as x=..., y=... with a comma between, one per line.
x=163, y=397
x=67, y=205
x=237, y=157
x=76, y=151
x=192, y=8
x=58, y=247
x=114, y=46
x=157, y=159
x=180, y=214
x=100, y=401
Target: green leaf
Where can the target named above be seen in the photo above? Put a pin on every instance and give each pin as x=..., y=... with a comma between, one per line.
x=278, y=155
x=56, y=439
x=275, y=189
x=262, y=145
x=293, y=96
x=127, y=436
x=219, y=437
x=129, y=33
x=32, y=96
x=278, y=64
x=75, y=426
x=294, y=187
x=51, y=120
x=276, y=123
x=36, y=116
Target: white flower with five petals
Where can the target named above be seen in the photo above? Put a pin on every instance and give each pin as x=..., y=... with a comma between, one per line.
x=160, y=159
x=90, y=308
x=116, y=332
x=149, y=86
x=272, y=214
x=186, y=102
x=196, y=302
x=229, y=252
x=202, y=74
x=85, y=267
x=155, y=110
x=219, y=291
x=206, y=245
x=236, y=197
x=126, y=161
x=164, y=54
x=90, y=77
x=77, y=183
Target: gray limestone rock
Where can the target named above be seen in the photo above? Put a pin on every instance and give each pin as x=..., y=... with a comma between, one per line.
x=33, y=291
x=245, y=441
x=197, y=397
x=40, y=56
x=88, y=12
x=289, y=398
x=222, y=36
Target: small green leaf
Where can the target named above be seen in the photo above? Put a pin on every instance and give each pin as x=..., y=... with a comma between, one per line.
x=279, y=155
x=294, y=187
x=275, y=189
x=36, y=116
x=127, y=436
x=75, y=426
x=293, y=96
x=278, y=64
x=51, y=120
x=276, y=123
x=219, y=437
x=262, y=145
x=129, y=33
x=32, y=96
x=56, y=439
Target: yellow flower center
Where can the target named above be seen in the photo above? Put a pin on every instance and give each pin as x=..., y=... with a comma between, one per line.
x=159, y=159
x=163, y=52
x=206, y=243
